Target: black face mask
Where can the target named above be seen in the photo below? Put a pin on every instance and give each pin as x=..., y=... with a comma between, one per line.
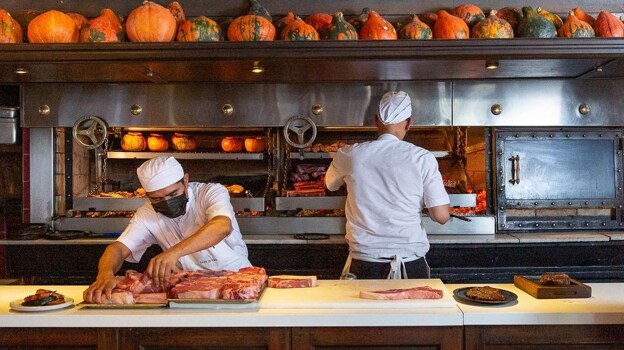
x=172, y=207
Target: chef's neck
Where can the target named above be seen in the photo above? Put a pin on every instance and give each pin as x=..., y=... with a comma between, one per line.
x=399, y=130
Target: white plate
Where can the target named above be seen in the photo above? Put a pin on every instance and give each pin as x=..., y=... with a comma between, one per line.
x=17, y=306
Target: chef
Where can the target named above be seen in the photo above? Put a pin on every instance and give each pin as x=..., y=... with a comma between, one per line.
x=389, y=182
x=192, y=222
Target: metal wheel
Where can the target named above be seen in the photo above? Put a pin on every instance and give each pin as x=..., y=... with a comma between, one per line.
x=90, y=131
x=299, y=125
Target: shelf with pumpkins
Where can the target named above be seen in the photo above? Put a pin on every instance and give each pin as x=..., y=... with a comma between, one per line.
x=323, y=36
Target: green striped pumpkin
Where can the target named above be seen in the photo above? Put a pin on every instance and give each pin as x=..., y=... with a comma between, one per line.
x=198, y=29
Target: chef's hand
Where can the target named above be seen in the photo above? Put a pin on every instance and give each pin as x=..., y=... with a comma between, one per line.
x=161, y=266
x=100, y=291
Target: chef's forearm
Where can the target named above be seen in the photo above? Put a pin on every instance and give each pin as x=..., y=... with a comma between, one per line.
x=112, y=259
x=207, y=236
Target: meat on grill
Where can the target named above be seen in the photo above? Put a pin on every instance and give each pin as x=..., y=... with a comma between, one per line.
x=486, y=293
x=288, y=281
x=425, y=292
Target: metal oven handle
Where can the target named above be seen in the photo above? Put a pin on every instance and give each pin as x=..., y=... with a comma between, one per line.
x=515, y=170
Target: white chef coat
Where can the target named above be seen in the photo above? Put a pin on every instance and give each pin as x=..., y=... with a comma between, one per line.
x=206, y=200
x=389, y=181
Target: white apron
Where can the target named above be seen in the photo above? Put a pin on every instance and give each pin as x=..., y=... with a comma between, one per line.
x=397, y=264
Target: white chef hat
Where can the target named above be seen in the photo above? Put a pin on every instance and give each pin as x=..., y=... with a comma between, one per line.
x=159, y=172
x=394, y=107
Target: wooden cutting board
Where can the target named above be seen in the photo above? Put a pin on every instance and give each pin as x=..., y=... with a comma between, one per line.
x=341, y=294
x=532, y=286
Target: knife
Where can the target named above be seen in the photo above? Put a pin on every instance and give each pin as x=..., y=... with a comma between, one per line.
x=462, y=218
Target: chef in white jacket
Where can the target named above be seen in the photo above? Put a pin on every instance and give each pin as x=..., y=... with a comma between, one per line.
x=389, y=182
x=192, y=222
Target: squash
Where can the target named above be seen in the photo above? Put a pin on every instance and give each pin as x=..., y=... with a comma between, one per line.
x=320, y=21
x=450, y=27
x=199, y=29
x=469, y=13
x=157, y=143
x=256, y=9
x=575, y=28
x=358, y=21
x=232, y=144
x=299, y=30
x=608, y=26
x=512, y=15
x=377, y=28
x=255, y=144
x=583, y=16
x=534, y=25
x=79, y=19
x=415, y=29
x=10, y=29
x=428, y=18
x=251, y=28
x=150, y=22
x=106, y=28
x=178, y=13
x=183, y=142
x=24, y=18
x=133, y=142
x=340, y=29
x=52, y=27
x=555, y=19
x=283, y=22
x=492, y=27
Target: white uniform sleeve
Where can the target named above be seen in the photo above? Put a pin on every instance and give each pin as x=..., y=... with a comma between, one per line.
x=136, y=237
x=434, y=193
x=218, y=202
x=334, y=178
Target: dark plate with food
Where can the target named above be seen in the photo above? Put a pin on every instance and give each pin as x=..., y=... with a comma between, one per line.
x=485, y=295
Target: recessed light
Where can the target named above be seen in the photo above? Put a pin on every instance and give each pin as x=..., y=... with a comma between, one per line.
x=491, y=64
x=257, y=68
x=21, y=70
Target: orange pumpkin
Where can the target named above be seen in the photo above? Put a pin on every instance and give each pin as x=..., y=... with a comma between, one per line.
x=198, y=29
x=575, y=28
x=10, y=30
x=299, y=30
x=415, y=29
x=157, y=143
x=512, y=15
x=255, y=144
x=320, y=21
x=232, y=144
x=492, y=27
x=106, y=28
x=178, y=13
x=52, y=27
x=583, y=16
x=79, y=19
x=133, y=142
x=608, y=26
x=251, y=28
x=377, y=28
x=283, y=22
x=150, y=22
x=183, y=142
x=469, y=13
x=450, y=27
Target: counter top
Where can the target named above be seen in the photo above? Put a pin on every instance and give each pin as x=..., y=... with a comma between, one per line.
x=606, y=306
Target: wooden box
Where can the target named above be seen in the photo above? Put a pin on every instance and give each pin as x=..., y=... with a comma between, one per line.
x=532, y=286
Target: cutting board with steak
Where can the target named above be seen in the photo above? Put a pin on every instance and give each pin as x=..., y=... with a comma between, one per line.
x=345, y=294
x=554, y=290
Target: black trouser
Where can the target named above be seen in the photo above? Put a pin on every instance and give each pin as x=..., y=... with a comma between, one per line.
x=365, y=270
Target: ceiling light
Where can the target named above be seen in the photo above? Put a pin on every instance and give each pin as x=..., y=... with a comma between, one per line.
x=257, y=68
x=21, y=70
x=491, y=64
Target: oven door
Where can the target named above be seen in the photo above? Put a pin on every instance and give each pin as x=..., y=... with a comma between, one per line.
x=549, y=179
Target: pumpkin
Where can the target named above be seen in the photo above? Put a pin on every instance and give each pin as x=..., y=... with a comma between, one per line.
x=555, y=19
x=157, y=143
x=133, y=142
x=450, y=27
x=199, y=29
x=320, y=21
x=575, y=28
x=24, y=18
x=608, y=26
x=232, y=144
x=10, y=29
x=106, y=28
x=256, y=9
x=150, y=22
x=251, y=28
x=255, y=144
x=183, y=142
x=492, y=27
x=583, y=16
x=178, y=13
x=377, y=28
x=79, y=19
x=358, y=21
x=340, y=29
x=415, y=29
x=283, y=22
x=534, y=25
x=298, y=30
x=428, y=18
x=52, y=27
x=469, y=13
x=512, y=15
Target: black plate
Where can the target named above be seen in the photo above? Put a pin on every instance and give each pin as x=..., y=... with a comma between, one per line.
x=460, y=293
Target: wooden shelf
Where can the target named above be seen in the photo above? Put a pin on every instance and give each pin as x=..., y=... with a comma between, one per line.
x=186, y=155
